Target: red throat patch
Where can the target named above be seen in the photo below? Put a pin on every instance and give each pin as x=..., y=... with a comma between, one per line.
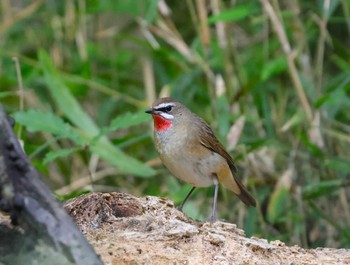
x=160, y=124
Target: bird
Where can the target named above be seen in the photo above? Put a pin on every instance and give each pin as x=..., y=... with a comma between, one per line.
x=189, y=149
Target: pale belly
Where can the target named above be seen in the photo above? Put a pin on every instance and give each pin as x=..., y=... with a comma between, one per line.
x=195, y=165
x=198, y=172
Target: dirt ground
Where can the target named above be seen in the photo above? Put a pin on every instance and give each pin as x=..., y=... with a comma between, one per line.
x=125, y=229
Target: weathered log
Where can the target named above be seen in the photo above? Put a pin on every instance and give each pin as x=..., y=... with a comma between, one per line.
x=129, y=230
x=41, y=232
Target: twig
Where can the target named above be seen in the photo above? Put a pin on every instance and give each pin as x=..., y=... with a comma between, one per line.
x=203, y=19
x=81, y=34
x=321, y=46
x=20, y=91
x=20, y=15
x=227, y=56
x=301, y=211
x=92, y=170
x=345, y=204
x=219, y=25
x=82, y=182
x=148, y=80
x=192, y=10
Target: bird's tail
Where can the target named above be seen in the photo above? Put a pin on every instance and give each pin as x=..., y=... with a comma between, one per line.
x=244, y=195
x=233, y=183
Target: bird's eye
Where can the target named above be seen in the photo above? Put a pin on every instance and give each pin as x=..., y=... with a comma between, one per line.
x=168, y=109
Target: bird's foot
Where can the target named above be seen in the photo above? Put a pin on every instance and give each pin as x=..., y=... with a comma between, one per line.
x=212, y=219
x=180, y=208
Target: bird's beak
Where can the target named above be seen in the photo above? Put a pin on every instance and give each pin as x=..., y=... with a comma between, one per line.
x=149, y=111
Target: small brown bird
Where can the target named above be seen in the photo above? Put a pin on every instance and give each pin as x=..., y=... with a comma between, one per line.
x=189, y=149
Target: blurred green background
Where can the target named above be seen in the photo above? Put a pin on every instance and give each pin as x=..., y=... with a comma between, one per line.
x=271, y=77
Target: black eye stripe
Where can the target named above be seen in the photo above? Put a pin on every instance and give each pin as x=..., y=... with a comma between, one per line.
x=165, y=109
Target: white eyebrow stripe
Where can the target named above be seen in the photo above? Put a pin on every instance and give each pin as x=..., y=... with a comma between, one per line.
x=166, y=116
x=163, y=105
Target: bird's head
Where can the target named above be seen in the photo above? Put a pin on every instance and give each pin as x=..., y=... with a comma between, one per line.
x=166, y=112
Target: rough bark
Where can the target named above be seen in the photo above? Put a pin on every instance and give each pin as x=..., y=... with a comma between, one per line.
x=40, y=231
x=128, y=230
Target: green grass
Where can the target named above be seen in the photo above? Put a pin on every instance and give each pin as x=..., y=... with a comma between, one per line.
x=89, y=69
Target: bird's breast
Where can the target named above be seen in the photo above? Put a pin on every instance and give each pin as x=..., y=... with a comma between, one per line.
x=190, y=162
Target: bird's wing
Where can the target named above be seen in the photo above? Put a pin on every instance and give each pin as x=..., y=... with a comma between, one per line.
x=209, y=140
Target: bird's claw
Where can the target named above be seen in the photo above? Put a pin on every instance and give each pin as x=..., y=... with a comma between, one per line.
x=179, y=208
x=212, y=219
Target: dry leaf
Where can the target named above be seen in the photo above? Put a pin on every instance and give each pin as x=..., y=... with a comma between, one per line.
x=235, y=132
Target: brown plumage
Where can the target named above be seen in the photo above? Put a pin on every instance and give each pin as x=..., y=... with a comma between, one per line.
x=189, y=149
x=208, y=140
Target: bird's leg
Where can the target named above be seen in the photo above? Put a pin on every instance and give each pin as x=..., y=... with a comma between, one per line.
x=213, y=218
x=183, y=202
